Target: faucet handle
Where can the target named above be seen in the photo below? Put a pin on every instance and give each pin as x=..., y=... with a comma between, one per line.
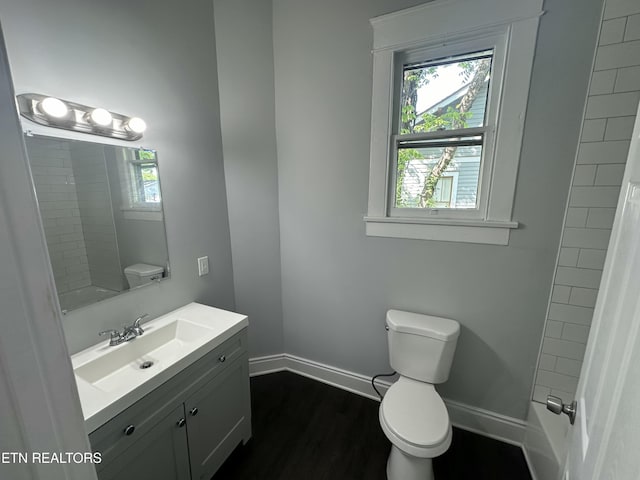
x=111, y=331
x=115, y=338
x=137, y=321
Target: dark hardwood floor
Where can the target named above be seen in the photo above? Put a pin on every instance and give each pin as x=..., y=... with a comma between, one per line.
x=306, y=430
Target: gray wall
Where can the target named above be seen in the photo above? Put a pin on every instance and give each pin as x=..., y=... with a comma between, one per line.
x=245, y=68
x=337, y=283
x=154, y=59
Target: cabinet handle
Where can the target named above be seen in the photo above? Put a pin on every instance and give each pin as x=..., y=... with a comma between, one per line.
x=222, y=359
x=129, y=430
x=194, y=411
x=181, y=423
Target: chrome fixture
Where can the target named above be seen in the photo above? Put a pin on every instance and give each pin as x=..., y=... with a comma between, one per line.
x=57, y=113
x=555, y=405
x=135, y=329
x=128, y=333
x=116, y=337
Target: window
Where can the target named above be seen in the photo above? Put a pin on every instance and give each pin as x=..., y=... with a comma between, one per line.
x=447, y=118
x=440, y=125
x=140, y=184
x=144, y=171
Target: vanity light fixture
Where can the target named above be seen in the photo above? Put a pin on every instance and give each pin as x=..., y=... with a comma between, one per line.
x=58, y=113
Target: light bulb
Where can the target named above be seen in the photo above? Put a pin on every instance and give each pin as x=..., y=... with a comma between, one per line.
x=136, y=125
x=100, y=117
x=54, y=107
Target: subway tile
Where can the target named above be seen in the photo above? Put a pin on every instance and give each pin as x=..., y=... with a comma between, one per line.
x=612, y=105
x=553, y=329
x=568, y=257
x=568, y=366
x=593, y=130
x=601, y=218
x=556, y=380
x=547, y=362
x=570, y=313
x=618, y=55
x=575, y=333
x=603, y=152
x=628, y=79
x=585, y=297
x=610, y=174
x=620, y=8
x=584, y=175
x=632, y=30
x=594, y=196
x=586, y=237
x=591, y=258
x=578, y=277
x=540, y=393
x=619, y=128
x=576, y=217
x=602, y=82
x=612, y=31
x=563, y=348
x=560, y=294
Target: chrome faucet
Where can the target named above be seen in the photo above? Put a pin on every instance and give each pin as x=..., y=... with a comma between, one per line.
x=128, y=333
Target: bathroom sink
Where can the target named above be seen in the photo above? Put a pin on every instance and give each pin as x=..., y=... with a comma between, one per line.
x=131, y=361
x=111, y=378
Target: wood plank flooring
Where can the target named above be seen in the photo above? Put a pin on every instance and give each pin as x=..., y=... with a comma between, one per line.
x=306, y=430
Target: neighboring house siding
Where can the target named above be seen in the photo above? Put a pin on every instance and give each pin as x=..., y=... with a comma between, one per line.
x=467, y=182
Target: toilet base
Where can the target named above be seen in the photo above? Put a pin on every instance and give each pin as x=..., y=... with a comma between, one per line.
x=401, y=466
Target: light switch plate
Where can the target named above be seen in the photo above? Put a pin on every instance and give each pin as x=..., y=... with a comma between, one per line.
x=203, y=266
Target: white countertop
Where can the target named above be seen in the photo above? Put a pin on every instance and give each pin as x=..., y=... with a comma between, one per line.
x=109, y=395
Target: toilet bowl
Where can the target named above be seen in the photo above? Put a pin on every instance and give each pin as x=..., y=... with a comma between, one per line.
x=412, y=414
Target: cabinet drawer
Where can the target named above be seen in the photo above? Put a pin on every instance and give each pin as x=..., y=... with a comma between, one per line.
x=118, y=434
x=124, y=430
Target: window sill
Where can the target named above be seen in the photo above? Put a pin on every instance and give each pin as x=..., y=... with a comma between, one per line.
x=468, y=231
x=142, y=214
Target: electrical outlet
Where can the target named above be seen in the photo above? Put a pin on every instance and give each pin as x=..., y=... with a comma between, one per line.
x=203, y=266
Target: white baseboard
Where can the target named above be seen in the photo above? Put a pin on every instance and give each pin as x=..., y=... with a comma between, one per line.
x=466, y=417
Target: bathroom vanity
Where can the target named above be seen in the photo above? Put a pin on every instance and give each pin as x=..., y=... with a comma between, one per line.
x=180, y=421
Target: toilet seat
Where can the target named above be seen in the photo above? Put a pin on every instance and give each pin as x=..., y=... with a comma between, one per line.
x=415, y=419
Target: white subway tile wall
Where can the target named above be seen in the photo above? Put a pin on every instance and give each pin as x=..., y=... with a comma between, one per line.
x=56, y=190
x=613, y=99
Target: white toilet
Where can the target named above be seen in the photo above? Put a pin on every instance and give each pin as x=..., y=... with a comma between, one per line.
x=412, y=414
x=142, y=273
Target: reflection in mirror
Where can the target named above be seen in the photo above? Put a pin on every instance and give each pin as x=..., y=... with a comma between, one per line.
x=101, y=208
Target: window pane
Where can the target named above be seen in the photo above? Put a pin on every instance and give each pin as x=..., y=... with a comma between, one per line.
x=445, y=94
x=438, y=177
x=150, y=183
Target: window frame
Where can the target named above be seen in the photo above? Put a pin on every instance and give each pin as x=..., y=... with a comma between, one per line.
x=509, y=28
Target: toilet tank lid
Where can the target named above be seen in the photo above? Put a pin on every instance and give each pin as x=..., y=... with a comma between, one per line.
x=143, y=269
x=439, y=328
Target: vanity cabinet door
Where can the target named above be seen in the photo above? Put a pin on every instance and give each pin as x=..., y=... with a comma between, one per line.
x=218, y=419
x=160, y=454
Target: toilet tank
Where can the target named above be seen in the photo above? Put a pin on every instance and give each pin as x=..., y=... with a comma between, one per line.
x=421, y=346
x=142, y=273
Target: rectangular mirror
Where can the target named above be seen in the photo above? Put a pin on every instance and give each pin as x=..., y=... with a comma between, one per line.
x=101, y=207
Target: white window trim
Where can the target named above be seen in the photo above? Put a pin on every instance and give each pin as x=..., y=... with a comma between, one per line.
x=444, y=24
